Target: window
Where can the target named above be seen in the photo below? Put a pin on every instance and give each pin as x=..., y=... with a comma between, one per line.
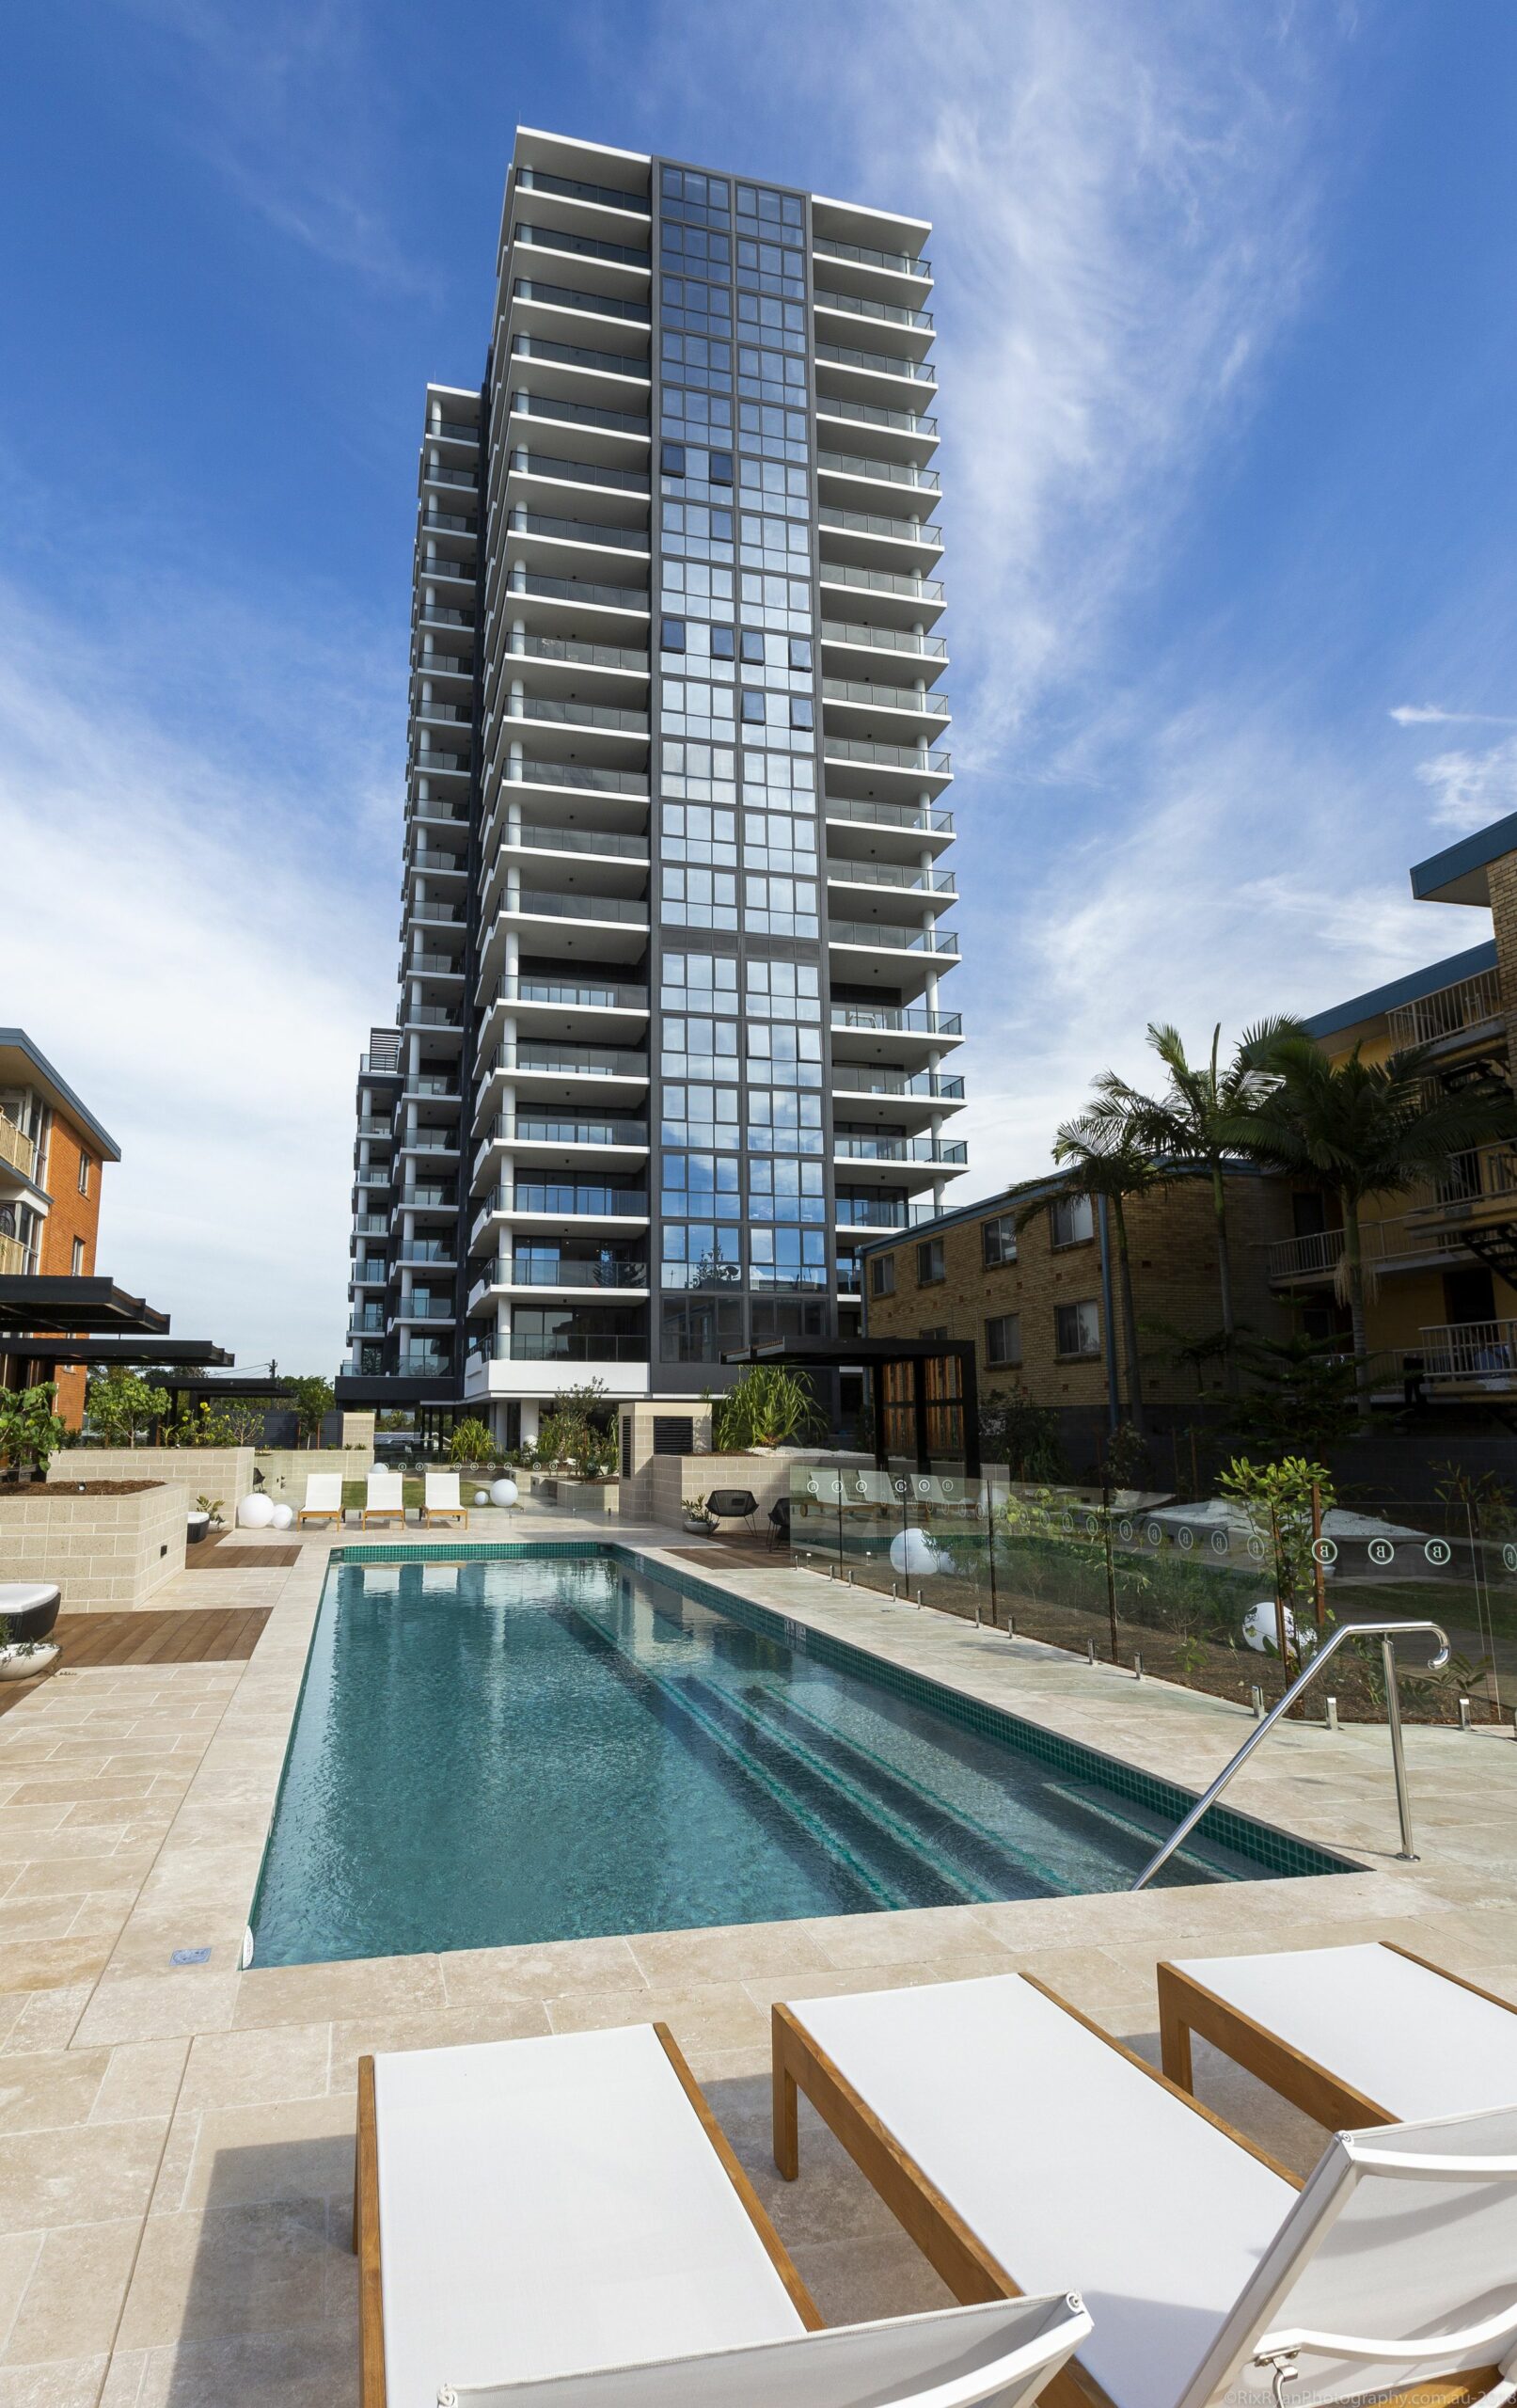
x=754, y=703
x=78, y=1263
x=1077, y=1330
x=801, y=711
x=722, y=643
x=882, y=1275
x=753, y=646
x=998, y=1239
x=929, y=1261
x=1003, y=1339
x=672, y=459
x=671, y=635
x=721, y=471
x=939, y=1329
x=83, y=1174
x=1071, y=1220
x=801, y=652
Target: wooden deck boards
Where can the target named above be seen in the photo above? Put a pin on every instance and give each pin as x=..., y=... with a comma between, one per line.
x=193, y=1635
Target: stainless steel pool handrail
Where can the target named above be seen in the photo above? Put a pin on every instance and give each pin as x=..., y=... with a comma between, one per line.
x=1387, y=1633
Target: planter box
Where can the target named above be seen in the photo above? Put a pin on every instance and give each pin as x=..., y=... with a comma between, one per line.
x=107, y=1553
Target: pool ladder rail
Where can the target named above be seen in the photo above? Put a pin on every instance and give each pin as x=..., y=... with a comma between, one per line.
x=1387, y=1633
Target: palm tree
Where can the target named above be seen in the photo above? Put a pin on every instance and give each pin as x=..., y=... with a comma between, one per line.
x=1370, y=1128
x=1112, y=1168
x=1199, y=1123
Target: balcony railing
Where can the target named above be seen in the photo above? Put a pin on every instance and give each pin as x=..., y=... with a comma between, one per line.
x=881, y=1212
x=430, y=1016
x=456, y=430
x=555, y=714
x=539, y=1129
x=16, y=1148
x=429, y=761
x=579, y=588
x=576, y=840
x=899, y=1149
x=418, y=1306
x=894, y=472
x=573, y=1199
x=898, y=261
x=575, y=188
x=590, y=656
x=896, y=1017
x=885, y=697
x=463, y=478
x=880, y=580
x=602, y=994
x=535, y=1271
x=879, y=932
x=442, y=614
x=1483, y=1351
x=848, y=1079
x=879, y=363
x=572, y=1061
x=871, y=414
x=579, y=355
x=578, y=531
x=888, y=313
x=434, y=1250
x=866, y=522
x=569, y=773
x=536, y=903
x=425, y=1362
x=433, y=965
x=575, y=1346
x=885, y=639
x=562, y=413
x=587, y=247
x=576, y=472
x=449, y=521
x=895, y=874
x=1468, y=1004
x=887, y=757
x=567, y=297
x=928, y=822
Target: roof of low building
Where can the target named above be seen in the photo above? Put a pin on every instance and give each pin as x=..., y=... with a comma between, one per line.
x=1458, y=874
x=22, y=1064
x=1358, y=1015
x=1015, y=1199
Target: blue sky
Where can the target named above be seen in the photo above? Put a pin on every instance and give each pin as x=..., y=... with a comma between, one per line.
x=1227, y=350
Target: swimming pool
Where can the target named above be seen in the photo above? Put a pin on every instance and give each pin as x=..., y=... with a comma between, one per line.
x=560, y=1745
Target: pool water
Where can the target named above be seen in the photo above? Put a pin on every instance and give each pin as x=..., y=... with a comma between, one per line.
x=558, y=1747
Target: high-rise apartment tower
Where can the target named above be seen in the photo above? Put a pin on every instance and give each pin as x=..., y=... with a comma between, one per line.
x=670, y=1037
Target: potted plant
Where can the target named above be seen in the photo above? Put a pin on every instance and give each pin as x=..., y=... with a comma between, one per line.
x=696, y=1520
x=206, y=1517
x=22, y=1659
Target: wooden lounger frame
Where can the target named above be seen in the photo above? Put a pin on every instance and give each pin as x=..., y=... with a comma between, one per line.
x=384, y=1513
x=966, y=2265
x=321, y=1514
x=372, y=2392
x=1187, y=2008
x=445, y=1513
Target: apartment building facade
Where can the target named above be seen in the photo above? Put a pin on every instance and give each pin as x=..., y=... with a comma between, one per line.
x=671, y=1041
x=1031, y=1277
x=53, y=1151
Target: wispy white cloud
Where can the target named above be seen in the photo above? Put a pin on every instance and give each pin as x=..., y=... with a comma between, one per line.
x=1472, y=788
x=192, y=937
x=1433, y=715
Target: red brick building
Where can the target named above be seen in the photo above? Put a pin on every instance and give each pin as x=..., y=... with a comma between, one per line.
x=53, y=1154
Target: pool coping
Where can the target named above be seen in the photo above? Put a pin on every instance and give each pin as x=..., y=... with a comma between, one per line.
x=1280, y=1854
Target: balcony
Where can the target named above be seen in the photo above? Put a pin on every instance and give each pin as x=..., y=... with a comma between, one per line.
x=1481, y=1354
x=462, y=480
x=440, y=1253
x=566, y=296
x=897, y=263
x=540, y=1129
x=1457, y=1012
x=872, y=1149
x=542, y=709
x=540, y=1271
x=419, y=1306
x=563, y=1200
x=575, y=188
x=563, y=1060
x=550, y=469
x=860, y=1211
x=894, y=472
x=896, y=940
x=864, y=812
x=16, y=1149
x=558, y=409
x=885, y=697
x=588, y=246
x=578, y=359
x=579, y=591
x=927, y=1084
x=922, y=430
x=584, y=656
x=452, y=430
x=875, y=363
x=573, y=1346
x=884, y=1019
x=579, y=531
x=12, y=1257
x=895, y=598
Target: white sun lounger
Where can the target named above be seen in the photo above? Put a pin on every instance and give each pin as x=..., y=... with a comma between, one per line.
x=384, y=1498
x=1010, y=2135
x=1364, y=2035
x=443, y=1502
x=324, y=1498
x=562, y=2221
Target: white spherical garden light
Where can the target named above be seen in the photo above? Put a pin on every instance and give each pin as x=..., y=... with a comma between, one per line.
x=502, y=1492
x=255, y=1513
x=282, y=1517
x=481, y=1497
x=913, y=1551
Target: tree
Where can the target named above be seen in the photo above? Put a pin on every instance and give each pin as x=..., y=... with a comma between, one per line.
x=1359, y=1130
x=1307, y=1392
x=119, y=1403
x=1201, y=1121
x=1110, y=1168
x=313, y=1398
x=30, y=1431
x=471, y=1443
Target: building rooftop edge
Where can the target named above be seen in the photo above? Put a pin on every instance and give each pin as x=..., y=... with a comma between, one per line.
x=1453, y=875
x=19, y=1039
x=1022, y=1192
x=1407, y=989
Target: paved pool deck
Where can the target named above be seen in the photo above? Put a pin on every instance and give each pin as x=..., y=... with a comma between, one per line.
x=176, y=2140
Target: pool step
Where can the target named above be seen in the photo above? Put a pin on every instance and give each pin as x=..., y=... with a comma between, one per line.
x=1216, y=1863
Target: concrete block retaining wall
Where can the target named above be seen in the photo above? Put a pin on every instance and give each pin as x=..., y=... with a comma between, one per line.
x=226, y=1472
x=107, y=1553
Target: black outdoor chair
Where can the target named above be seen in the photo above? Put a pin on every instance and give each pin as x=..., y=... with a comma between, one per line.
x=733, y=1505
x=780, y=1522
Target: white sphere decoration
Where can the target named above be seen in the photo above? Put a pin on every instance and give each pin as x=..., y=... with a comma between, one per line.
x=912, y=1551
x=502, y=1492
x=255, y=1513
x=481, y=1497
x=282, y=1518
x=1262, y=1627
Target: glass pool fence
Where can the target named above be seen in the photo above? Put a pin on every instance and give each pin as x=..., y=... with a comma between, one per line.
x=1208, y=1595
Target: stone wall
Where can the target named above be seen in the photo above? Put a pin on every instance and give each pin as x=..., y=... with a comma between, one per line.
x=107, y=1553
x=226, y=1472
x=286, y=1469
x=656, y=1493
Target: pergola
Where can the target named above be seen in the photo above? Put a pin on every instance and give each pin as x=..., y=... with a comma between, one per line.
x=923, y=1389
x=51, y=1319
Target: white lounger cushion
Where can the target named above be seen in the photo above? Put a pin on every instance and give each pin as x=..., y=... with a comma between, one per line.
x=442, y=1492
x=1003, y=2351
x=24, y=1596
x=385, y=1490
x=551, y=2205
x=324, y=1493
x=1067, y=2163
x=1415, y=2043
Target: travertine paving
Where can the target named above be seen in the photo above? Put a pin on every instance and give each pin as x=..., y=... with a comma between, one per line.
x=175, y=2175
